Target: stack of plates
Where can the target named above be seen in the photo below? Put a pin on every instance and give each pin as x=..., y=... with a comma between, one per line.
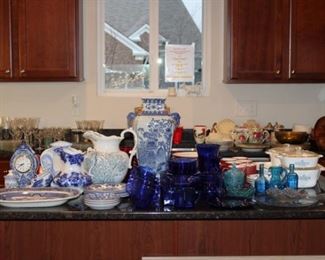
x=117, y=189
x=101, y=204
x=120, y=190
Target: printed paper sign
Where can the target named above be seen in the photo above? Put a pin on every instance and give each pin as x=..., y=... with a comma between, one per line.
x=179, y=63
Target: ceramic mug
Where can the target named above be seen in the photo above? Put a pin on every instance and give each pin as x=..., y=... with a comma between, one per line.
x=200, y=132
x=178, y=134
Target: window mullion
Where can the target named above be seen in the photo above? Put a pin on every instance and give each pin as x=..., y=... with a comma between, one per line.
x=100, y=47
x=153, y=44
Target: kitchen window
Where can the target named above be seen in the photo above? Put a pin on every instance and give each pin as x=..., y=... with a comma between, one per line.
x=132, y=35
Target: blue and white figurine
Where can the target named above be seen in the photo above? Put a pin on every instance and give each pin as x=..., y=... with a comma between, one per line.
x=154, y=127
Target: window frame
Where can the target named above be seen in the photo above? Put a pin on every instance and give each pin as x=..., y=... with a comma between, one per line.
x=154, y=53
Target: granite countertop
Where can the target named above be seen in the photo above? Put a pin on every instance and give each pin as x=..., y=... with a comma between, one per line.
x=77, y=210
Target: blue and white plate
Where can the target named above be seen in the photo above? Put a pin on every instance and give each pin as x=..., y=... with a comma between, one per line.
x=37, y=197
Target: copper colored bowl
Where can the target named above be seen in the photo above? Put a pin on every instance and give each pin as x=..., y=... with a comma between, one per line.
x=290, y=137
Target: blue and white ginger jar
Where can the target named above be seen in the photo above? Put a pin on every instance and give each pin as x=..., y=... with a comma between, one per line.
x=154, y=126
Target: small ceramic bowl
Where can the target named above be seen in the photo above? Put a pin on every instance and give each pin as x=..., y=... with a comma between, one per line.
x=100, y=192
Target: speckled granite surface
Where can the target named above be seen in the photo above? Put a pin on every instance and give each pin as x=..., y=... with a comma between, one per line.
x=77, y=210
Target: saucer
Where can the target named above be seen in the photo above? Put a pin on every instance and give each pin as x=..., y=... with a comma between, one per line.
x=250, y=147
x=186, y=154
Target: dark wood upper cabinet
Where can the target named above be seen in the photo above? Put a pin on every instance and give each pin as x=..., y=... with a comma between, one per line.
x=307, y=40
x=5, y=40
x=46, y=40
x=274, y=41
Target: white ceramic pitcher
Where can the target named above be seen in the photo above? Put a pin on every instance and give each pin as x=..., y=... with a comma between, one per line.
x=106, y=163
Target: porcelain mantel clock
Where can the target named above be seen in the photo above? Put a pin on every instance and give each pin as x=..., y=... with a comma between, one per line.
x=24, y=164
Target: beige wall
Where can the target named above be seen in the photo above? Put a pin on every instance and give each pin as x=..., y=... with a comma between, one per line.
x=285, y=103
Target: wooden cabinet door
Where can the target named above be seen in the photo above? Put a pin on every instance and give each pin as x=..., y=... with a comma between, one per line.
x=4, y=167
x=307, y=38
x=5, y=42
x=257, y=35
x=48, y=35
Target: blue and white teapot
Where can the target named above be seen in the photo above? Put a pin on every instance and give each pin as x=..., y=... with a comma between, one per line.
x=65, y=164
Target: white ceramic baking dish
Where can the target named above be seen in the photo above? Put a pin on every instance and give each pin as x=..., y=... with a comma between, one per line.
x=301, y=159
x=307, y=178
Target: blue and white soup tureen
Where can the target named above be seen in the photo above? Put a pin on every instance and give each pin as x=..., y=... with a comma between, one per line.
x=65, y=164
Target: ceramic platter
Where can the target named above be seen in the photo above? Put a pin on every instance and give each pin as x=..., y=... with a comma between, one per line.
x=248, y=147
x=36, y=197
x=186, y=154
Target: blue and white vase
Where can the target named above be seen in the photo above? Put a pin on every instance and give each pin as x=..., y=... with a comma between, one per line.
x=154, y=126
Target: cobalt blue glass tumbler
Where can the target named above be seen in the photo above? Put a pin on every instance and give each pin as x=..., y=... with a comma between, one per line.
x=182, y=166
x=208, y=156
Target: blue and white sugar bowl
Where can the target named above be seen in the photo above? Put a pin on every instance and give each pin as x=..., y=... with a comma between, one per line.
x=10, y=180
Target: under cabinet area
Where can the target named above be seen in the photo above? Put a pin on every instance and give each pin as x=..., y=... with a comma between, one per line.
x=4, y=167
x=41, y=40
x=136, y=239
x=279, y=41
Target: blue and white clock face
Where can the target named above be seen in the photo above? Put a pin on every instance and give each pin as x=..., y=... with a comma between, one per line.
x=24, y=164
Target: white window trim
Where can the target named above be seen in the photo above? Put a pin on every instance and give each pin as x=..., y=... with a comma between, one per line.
x=136, y=36
x=136, y=49
x=154, y=53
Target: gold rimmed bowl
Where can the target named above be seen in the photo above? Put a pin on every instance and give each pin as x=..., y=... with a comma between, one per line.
x=287, y=136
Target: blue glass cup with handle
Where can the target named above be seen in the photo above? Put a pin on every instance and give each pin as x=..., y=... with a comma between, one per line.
x=278, y=177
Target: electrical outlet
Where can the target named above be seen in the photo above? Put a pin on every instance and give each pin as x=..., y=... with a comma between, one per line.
x=246, y=108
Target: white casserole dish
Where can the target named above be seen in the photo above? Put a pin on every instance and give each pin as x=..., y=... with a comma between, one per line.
x=300, y=158
x=307, y=178
x=285, y=148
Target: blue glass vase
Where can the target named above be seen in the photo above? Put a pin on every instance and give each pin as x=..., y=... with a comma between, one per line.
x=210, y=173
x=208, y=157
